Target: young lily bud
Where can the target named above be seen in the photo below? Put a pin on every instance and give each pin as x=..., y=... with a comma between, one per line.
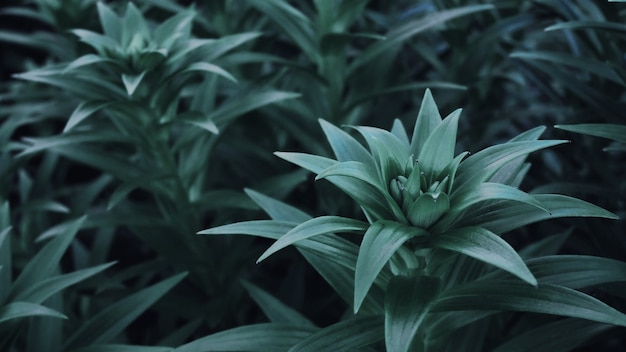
x=395, y=190
x=413, y=184
x=427, y=209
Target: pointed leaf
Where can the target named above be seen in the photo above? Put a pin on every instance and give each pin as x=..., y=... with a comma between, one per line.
x=492, y=191
x=428, y=119
x=314, y=227
x=240, y=105
x=123, y=348
x=276, y=209
x=604, y=130
x=345, y=147
x=15, y=310
x=380, y=242
x=577, y=271
x=111, y=23
x=131, y=82
x=263, y=228
x=211, y=68
x=438, y=150
x=485, y=246
x=517, y=296
x=274, y=309
x=427, y=209
x=85, y=60
x=83, y=111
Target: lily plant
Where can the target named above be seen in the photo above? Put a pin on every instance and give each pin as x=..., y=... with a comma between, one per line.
x=431, y=259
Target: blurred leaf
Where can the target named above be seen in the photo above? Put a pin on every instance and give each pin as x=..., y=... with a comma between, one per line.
x=106, y=325
x=83, y=111
x=240, y=105
x=123, y=348
x=210, y=68
x=604, y=130
x=274, y=309
x=604, y=25
x=16, y=310
x=131, y=82
x=345, y=147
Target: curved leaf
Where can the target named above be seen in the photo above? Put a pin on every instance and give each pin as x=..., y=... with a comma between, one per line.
x=484, y=245
x=16, y=310
x=275, y=310
x=604, y=130
x=379, y=243
x=345, y=147
x=437, y=152
x=314, y=227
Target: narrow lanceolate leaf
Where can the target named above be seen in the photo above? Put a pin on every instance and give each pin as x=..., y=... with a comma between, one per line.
x=110, y=22
x=407, y=301
x=348, y=335
x=83, y=111
x=45, y=262
x=124, y=348
x=428, y=119
x=263, y=228
x=438, y=150
x=16, y=310
x=276, y=209
x=380, y=242
x=210, y=68
x=604, y=130
x=313, y=163
x=40, y=291
x=604, y=25
x=427, y=209
x=345, y=147
x=481, y=166
x=562, y=335
x=107, y=324
x=314, y=227
x=258, y=337
x=274, y=309
x=484, y=245
x=507, y=217
x=492, y=191
x=240, y=105
x=577, y=271
x=517, y=296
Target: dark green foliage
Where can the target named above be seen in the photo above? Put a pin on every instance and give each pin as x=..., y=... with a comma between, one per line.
x=127, y=127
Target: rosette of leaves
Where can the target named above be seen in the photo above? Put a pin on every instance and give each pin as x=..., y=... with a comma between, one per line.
x=431, y=243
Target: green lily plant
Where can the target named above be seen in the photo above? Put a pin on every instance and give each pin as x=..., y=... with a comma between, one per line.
x=431, y=260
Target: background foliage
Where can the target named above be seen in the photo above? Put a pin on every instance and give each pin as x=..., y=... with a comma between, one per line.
x=128, y=127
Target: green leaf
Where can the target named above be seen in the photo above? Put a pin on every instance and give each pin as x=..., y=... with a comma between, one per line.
x=379, y=243
x=273, y=229
x=210, y=68
x=274, y=309
x=484, y=245
x=347, y=335
x=427, y=209
x=40, y=291
x=511, y=215
x=45, y=262
x=577, y=271
x=277, y=210
x=345, y=147
x=479, y=167
x=604, y=25
x=131, y=82
x=398, y=35
x=15, y=310
x=85, y=60
x=240, y=105
x=438, y=150
x=111, y=23
x=389, y=152
x=313, y=163
x=517, y=296
x=407, y=301
x=428, y=119
x=562, y=335
x=492, y=191
x=134, y=27
x=83, y=111
x=101, y=43
x=604, y=130
x=258, y=337
x=314, y=227
x=106, y=325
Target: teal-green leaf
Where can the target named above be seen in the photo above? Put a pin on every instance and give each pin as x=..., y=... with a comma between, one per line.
x=511, y=295
x=131, y=82
x=210, y=68
x=438, y=150
x=379, y=243
x=313, y=163
x=605, y=130
x=258, y=337
x=110, y=22
x=407, y=301
x=345, y=147
x=123, y=348
x=604, y=25
x=492, y=191
x=239, y=105
x=484, y=245
x=83, y=111
x=42, y=290
x=347, y=335
x=263, y=228
x=101, y=43
x=577, y=271
x=108, y=323
x=428, y=119
x=427, y=209
x=45, y=262
x=314, y=227
x=16, y=310
x=85, y=60
x=276, y=209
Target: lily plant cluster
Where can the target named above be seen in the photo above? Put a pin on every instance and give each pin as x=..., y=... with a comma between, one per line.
x=428, y=211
